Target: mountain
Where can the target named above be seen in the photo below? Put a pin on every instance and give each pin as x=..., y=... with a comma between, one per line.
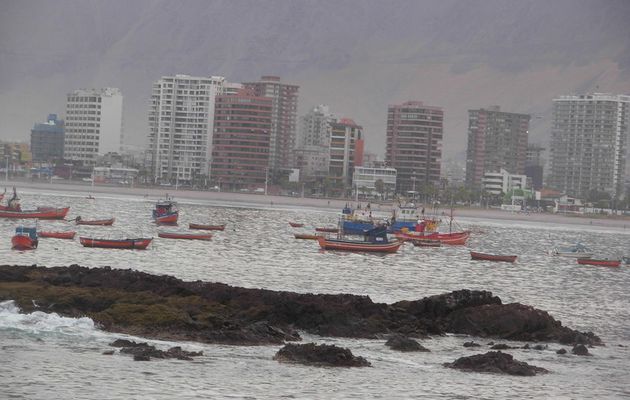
x=357, y=56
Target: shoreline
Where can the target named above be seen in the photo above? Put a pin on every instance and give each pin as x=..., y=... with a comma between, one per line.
x=323, y=204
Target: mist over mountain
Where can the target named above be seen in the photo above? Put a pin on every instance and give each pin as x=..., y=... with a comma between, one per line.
x=357, y=56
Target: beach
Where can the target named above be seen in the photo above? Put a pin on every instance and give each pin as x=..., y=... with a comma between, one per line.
x=330, y=204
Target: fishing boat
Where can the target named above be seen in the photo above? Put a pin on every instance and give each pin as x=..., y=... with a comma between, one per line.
x=375, y=240
x=137, y=244
x=426, y=243
x=207, y=227
x=24, y=238
x=453, y=238
x=491, y=257
x=601, y=262
x=578, y=250
x=96, y=222
x=166, y=212
x=190, y=236
x=296, y=224
x=44, y=213
x=327, y=230
x=306, y=236
x=58, y=235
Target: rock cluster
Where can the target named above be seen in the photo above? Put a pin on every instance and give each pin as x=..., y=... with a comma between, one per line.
x=495, y=362
x=319, y=355
x=144, y=351
x=403, y=343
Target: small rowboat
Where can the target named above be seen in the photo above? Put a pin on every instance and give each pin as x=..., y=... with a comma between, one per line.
x=296, y=224
x=58, y=235
x=328, y=230
x=601, y=263
x=207, y=227
x=41, y=213
x=491, y=257
x=190, y=236
x=349, y=245
x=138, y=244
x=96, y=222
x=426, y=243
x=306, y=236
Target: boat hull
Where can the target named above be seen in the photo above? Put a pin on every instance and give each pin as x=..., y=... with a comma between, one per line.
x=21, y=242
x=168, y=219
x=206, y=227
x=306, y=236
x=599, y=263
x=188, y=236
x=426, y=243
x=346, y=245
x=57, y=235
x=47, y=213
x=100, y=222
x=491, y=257
x=327, y=230
x=453, y=239
x=296, y=225
x=137, y=244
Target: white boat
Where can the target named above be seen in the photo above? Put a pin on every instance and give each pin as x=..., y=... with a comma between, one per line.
x=576, y=251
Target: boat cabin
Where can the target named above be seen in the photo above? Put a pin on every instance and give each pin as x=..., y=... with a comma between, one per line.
x=23, y=231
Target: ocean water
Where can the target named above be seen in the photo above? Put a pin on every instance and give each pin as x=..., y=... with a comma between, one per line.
x=45, y=356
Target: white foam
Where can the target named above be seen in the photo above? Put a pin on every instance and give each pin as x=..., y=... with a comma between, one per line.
x=39, y=322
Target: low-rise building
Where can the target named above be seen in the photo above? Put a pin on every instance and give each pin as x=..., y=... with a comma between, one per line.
x=367, y=179
x=47, y=139
x=503, y=182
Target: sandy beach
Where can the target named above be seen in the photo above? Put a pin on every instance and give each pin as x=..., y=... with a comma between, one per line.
x=333, y=205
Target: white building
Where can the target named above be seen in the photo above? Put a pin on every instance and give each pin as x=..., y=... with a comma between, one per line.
x=181, y=121
x=503, y=182
x=312, y=153
x=93, y=124
x=365, y=178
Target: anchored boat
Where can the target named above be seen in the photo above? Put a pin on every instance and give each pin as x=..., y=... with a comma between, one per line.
x=207, y=227
x=166, y=212
x=306, y=236
x=190, y=236
x=375, y=241
x=491, y=257
x=602, y=262
x=24, y=238
x=96, y=222
x=138, y=244
x=296, y=224
x=58, y=235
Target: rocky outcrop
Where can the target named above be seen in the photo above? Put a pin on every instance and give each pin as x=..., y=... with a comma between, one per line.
x=471, y=344
x=495, y=362
x=580, y=350
x=145, y=352
x=405, y=344
x=163, y=307
x=319, y=355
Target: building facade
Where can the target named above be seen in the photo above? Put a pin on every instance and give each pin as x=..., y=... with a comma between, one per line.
x=589, y=143
x=181, y=117
x=47, y=140
x=283, y=120
x=93, y=124
x=414, y=144
x=312, y=153
x=503, y=182
x=242, y=137
x=346, y=149
x=496, y=140
x=366, y=178
x=534, y=165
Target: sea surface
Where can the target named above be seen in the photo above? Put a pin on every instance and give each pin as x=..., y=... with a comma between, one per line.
x=45, y=356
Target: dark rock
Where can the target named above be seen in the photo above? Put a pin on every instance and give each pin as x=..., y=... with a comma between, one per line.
x=561, y=351
x=471, y=344
x=109, y=352
x=526, y=347
x=502, y=346
x=580, y=350
x=141, y=357
x=490, y=343
x=403, y=343
x=319, y=355
x=144, y=351
x=540, y=347
x=126, y=343
x=495, y=362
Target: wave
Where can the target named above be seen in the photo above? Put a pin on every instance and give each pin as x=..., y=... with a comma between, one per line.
x=39, y=322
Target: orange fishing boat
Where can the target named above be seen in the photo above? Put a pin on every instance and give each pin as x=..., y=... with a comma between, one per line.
x=166, y=212
x=207, y=227
x=491, y=257
x=138, y=244
x=306, y=236
x=453, y=238
x=190, y=236
x=96, y=222
x=24, y=239
x=600, y=263
x=351, y=245
x=58, y=235
x=44, y=213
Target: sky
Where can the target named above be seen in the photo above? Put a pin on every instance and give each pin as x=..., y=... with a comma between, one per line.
x=356, y=56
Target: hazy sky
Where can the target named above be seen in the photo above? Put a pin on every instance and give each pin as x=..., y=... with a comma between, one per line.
x=357, y=56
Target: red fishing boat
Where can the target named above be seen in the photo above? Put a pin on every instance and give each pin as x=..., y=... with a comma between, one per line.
x=58, y=235
x=491, y=257
x=306, y=236
x=166, y=212
x=601, y=263
x=96, y=222
x=190, y=236
x=296, y=224
x=207, y=227
x=328, y=230
x=375, y=240
x=138, y=244
x=453, y=238
x=48, y=213
x=24, y=239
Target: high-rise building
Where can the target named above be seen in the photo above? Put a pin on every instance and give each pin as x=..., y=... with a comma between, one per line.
x=242, y=131
x=534, y=165
x=47, y=139
x=589, y=143
x=496, y=140
x=346, y=149
x=283, y=119
x=181, y=119
x=93, y=124
x=312, y=153
x=414, y=144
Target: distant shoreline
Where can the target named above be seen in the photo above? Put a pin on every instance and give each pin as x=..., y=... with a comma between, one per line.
x=332, y=205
